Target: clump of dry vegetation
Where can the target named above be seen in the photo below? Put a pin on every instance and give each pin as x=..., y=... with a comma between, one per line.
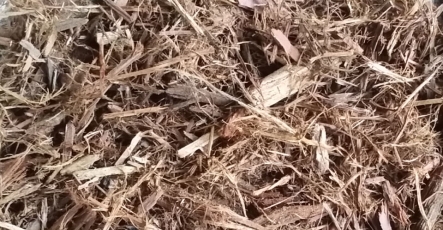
x=220, y=114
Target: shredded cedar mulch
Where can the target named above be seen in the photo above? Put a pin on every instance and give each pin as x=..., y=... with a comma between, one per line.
x=220, y=114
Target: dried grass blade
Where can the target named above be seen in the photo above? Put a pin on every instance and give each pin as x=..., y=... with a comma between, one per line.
x=200, y=30
x=134, y=112
x=385, y=71
x=420, y=87
x=286, y=44
x=123, y=65
x=162, y=65
x=119, y=11
x=420, y=201
x=19, y=97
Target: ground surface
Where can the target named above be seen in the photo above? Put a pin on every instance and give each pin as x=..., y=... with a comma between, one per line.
x=220, y=114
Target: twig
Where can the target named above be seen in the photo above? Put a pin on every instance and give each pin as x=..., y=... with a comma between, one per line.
x=135, y=112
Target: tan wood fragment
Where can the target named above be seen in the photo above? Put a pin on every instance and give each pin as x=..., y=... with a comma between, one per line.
x=106, y=171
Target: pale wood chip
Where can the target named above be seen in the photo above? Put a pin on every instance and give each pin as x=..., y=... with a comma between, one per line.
x=321, y=154
x=383, y=217
x=81, y=164
x=128, y=151
x=107, y=37
x=150, y=201
x=196, y=145
x=20, y=193
x=50, y=43
x=34, y=225
x=281, y=84
x=102, y=172
x=69, y=24
x=33, y=52
x=284, y=180
x=9, y=226
x=252, y=4
x=290, y=214
x=286, y=44
x=5, y=41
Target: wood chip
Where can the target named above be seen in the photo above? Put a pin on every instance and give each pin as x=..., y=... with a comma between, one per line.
x=81, y=164
x=69, y=24
x=290, y=214
x=34, y=225
x=200, y=95
x=50, y=43
x=281, y=84
x=383, y=217
x=20, y=193
x=321, y=153
x=5, y=41
x=252, y=4
x=201, y=142
x=286, y=44
x=107, y=37
x=33, y=52
x=16, y=13
x=102, y=172
x=284, y=180
x=9, y=226
x=150, y=201
x=128, y=151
